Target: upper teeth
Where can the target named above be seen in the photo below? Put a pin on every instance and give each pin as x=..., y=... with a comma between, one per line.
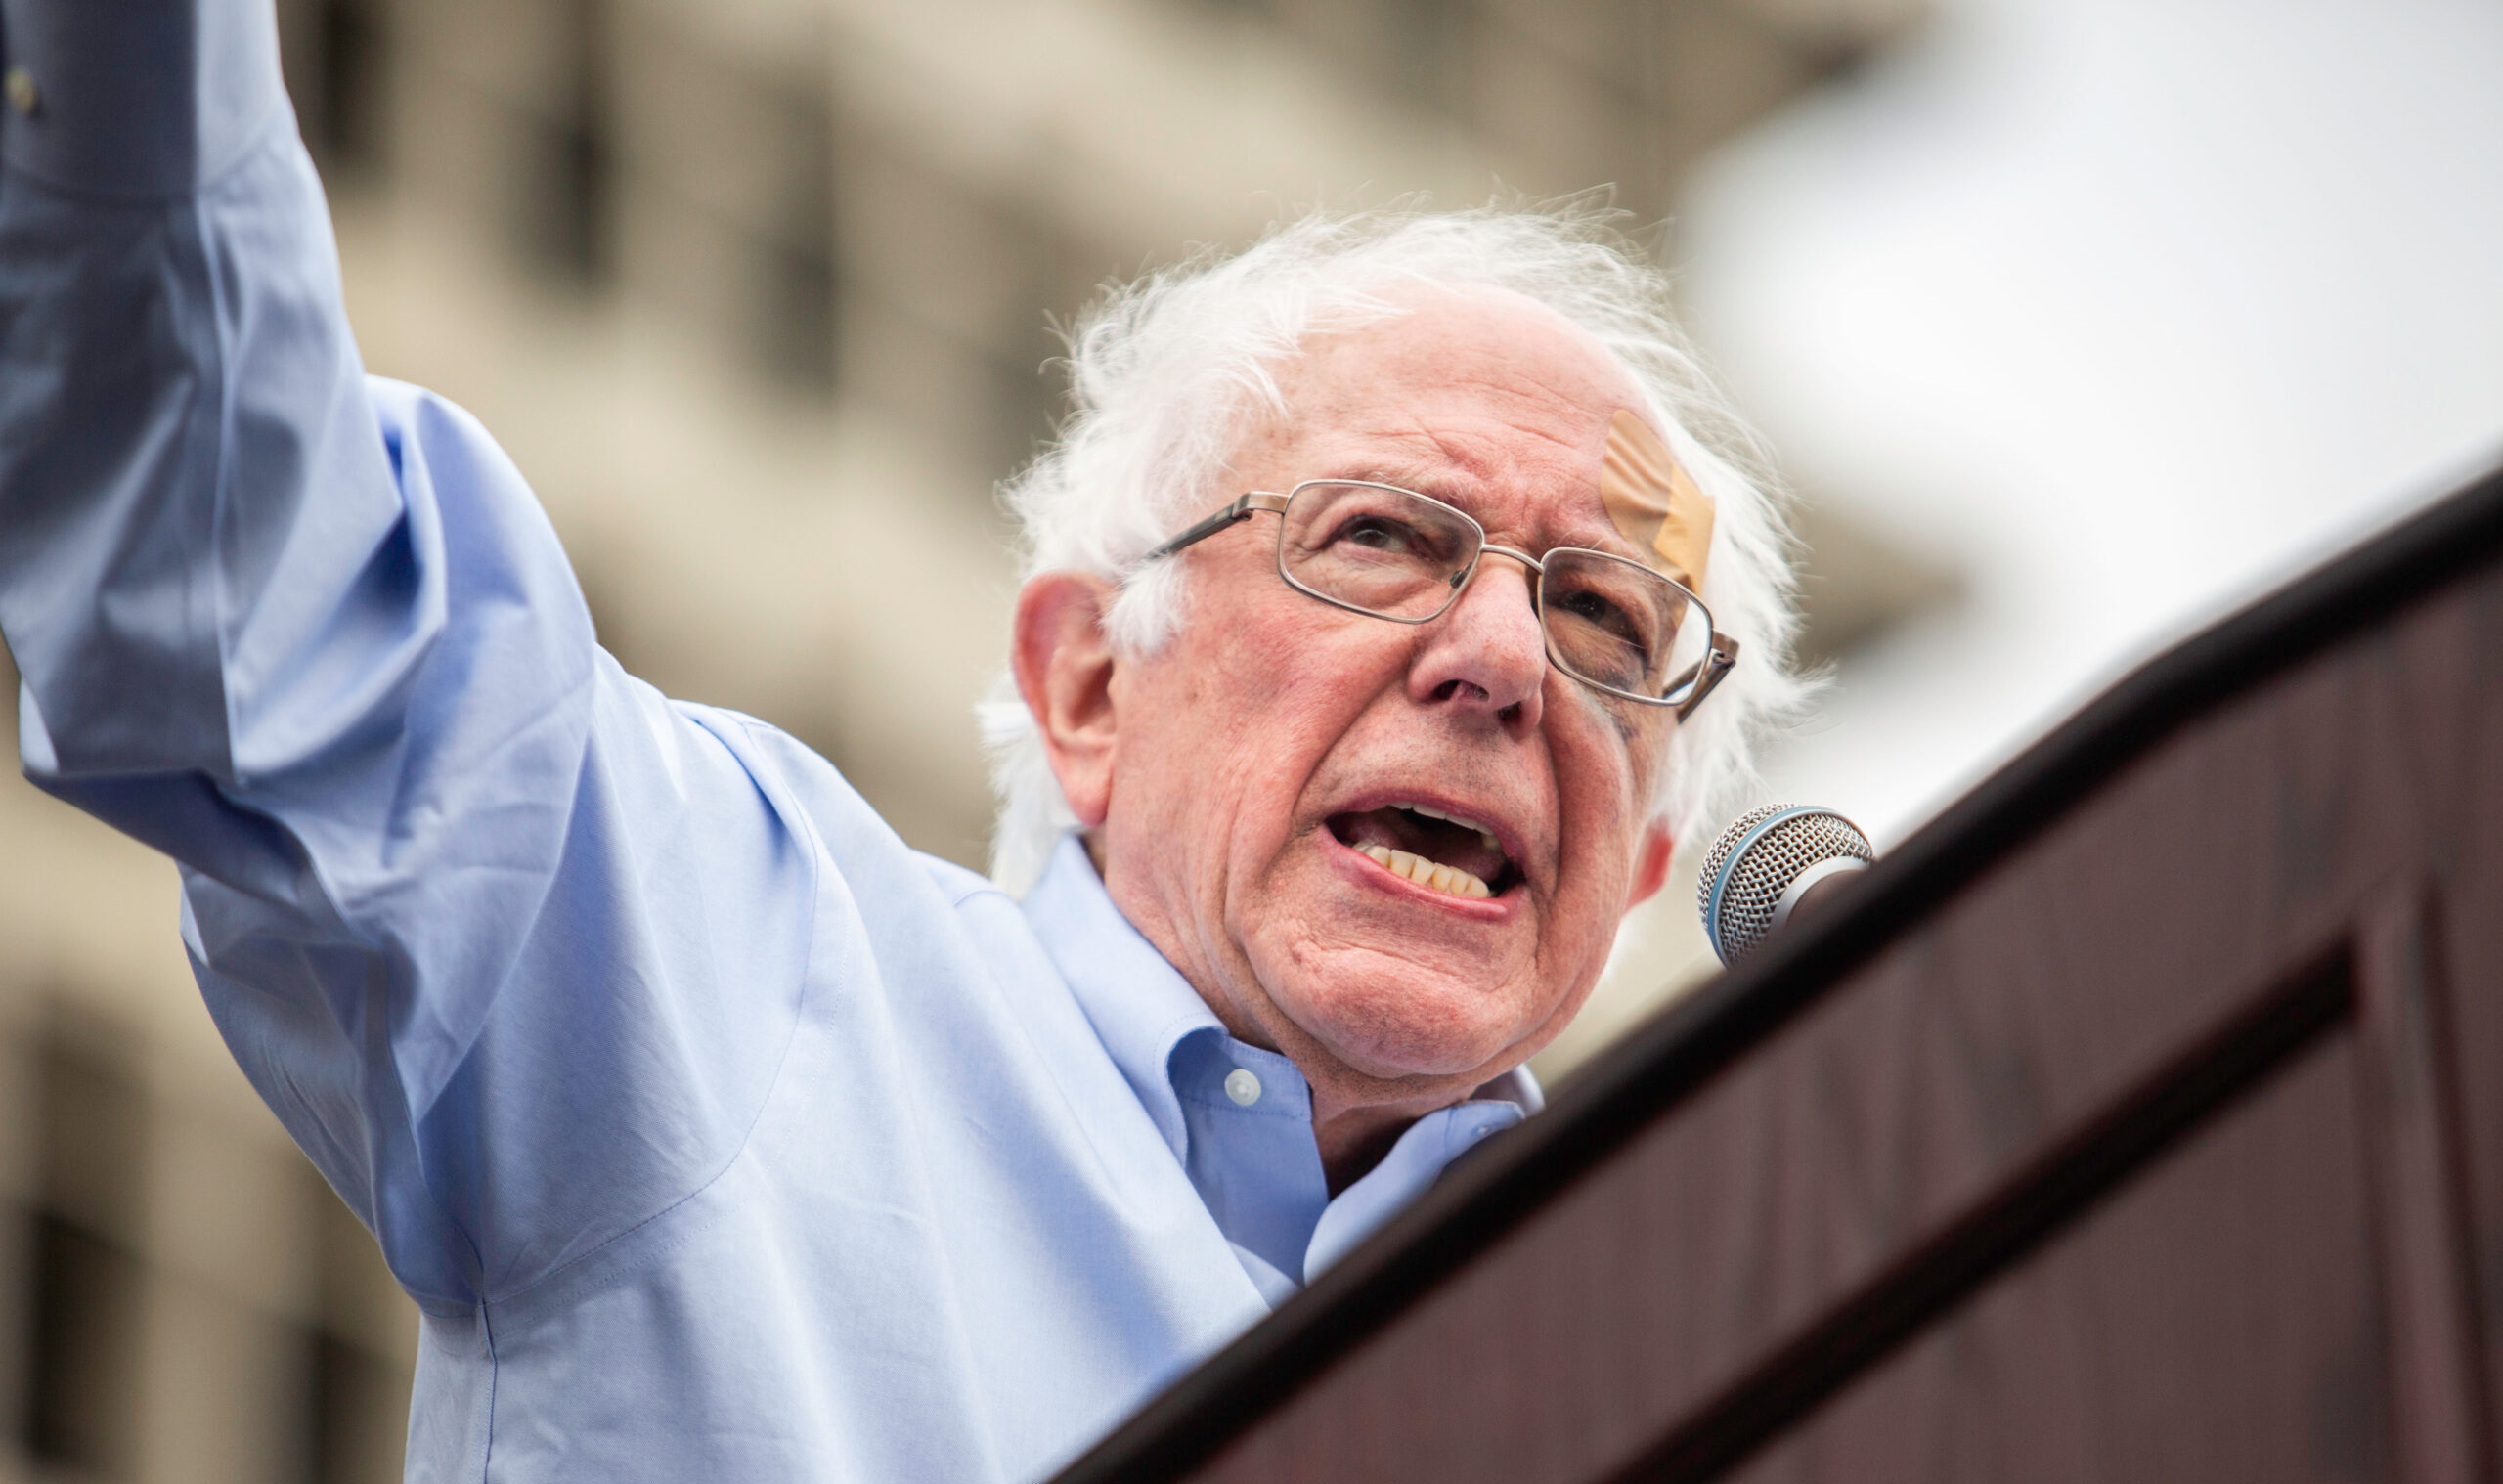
x=1483, y=833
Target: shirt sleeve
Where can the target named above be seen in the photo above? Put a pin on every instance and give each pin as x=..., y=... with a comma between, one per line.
x=510, y=944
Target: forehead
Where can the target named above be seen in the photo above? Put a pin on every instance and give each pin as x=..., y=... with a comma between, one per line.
x=1482, y=397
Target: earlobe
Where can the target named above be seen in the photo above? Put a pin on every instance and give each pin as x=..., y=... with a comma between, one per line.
x=1065, y=668
x=1650, y=864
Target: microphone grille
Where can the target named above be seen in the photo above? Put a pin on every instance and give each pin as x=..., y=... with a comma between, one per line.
x=1756, y=859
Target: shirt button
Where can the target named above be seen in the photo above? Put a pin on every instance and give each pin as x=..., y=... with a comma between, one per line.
x=1243, y=1087
x=23, y=96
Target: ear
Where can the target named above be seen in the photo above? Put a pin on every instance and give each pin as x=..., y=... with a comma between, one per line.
x=1650, y=864
x=1064, y=665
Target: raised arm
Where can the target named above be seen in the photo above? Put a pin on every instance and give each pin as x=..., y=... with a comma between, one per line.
x=510, y=944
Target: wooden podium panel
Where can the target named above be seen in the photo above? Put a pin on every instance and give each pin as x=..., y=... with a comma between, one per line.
x=2140, y=1119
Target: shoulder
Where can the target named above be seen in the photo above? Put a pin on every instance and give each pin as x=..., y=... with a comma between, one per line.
x=966, y=890
x=800, y=780
x=793, y=777
x=406, y=410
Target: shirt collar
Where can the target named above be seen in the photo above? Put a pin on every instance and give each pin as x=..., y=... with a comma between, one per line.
x=1140, y=1006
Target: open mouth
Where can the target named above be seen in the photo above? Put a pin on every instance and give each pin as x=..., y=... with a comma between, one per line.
x=1438, y=850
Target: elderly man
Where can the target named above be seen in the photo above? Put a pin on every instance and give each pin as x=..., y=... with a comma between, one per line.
x=717, y=1134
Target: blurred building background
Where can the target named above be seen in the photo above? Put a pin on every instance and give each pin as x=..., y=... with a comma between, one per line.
x=2073, y=320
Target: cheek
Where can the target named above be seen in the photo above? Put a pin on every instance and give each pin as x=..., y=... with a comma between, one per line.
x=1605, y=779
x=1291, y=690
x=1236, y=713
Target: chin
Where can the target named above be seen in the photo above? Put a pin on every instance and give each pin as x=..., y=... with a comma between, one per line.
x=1396, y=1032
x=1392, y=985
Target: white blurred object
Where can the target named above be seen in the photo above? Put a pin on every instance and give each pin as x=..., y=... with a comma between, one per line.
x=2128, y=309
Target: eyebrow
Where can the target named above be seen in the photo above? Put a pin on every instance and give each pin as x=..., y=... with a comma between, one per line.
x=1606, y=538
x=1415, y=479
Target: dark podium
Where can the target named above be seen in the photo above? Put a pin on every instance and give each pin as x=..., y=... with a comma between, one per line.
x=2140, y=1119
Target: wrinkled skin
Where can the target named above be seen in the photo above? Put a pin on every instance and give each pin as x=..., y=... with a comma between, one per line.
x=1208, y=772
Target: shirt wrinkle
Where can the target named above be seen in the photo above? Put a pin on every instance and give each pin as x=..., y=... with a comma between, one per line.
x=764, y=1125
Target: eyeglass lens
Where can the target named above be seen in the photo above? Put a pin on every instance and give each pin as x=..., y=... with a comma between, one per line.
x=1608, y=622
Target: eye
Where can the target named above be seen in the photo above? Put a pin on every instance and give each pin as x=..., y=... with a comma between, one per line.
x=1597, y=610
x=1381, y=533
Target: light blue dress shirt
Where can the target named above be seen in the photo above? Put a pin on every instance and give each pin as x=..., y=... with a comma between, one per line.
x=717, y=1134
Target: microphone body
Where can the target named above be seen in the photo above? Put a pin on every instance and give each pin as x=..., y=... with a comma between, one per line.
x=1765, y=866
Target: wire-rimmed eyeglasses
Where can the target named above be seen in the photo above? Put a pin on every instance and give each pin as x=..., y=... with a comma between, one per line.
x=1614, y=624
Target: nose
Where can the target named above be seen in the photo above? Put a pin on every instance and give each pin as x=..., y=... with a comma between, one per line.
x=1485, y=656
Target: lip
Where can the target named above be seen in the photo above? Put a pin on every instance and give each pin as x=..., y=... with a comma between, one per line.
x=1506, y=838
x=1364, y=870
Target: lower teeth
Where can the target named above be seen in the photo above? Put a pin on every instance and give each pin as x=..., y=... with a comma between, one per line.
x=1450, y=881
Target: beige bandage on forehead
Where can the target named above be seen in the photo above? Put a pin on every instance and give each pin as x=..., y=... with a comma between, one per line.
x=1655, y=503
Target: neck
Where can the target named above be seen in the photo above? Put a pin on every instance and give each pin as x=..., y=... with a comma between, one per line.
x=1354, y=1141
x=1356, y=1116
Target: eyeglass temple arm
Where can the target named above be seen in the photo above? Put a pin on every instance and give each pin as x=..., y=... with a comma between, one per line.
x=1715, y=666
x=1240, y=509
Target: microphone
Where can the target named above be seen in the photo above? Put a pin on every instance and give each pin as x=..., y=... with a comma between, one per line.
x=1763, y=866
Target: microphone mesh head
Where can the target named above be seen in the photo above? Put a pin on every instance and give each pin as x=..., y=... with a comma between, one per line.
x=1772, y=845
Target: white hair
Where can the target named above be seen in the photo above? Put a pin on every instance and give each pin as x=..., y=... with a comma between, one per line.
x=1167, y=373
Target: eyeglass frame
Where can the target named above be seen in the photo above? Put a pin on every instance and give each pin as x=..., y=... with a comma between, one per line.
x=1721, y=650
